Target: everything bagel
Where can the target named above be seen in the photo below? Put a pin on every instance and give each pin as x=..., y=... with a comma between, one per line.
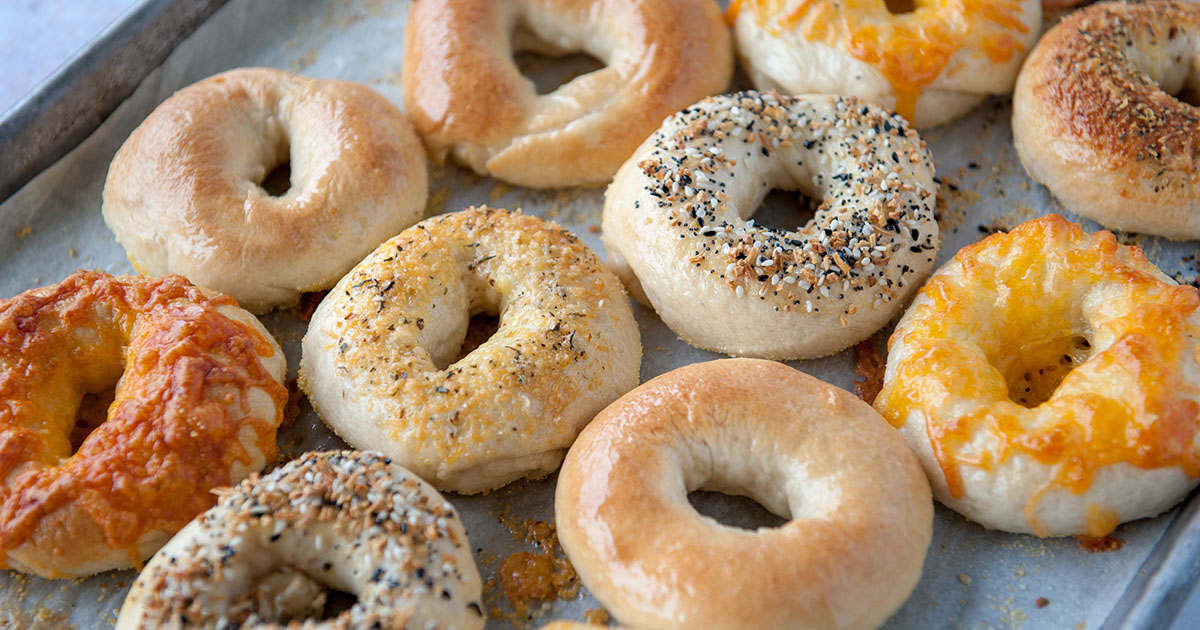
x=676, y=229
x=271, y=549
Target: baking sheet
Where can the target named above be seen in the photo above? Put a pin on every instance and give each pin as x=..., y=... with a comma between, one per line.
x=973, y=578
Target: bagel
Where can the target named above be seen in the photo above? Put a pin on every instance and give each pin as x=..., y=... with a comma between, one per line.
x=185, y=194
x=1049, y=382
x=931, y=65
x=467, y=97
x=199, y=394
x=675, y=223
x=858, y=507
x=378, y=357
x=1094, y=119
x=271, y=548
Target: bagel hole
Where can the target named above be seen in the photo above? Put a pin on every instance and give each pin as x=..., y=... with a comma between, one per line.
x=734, y=511
x=92, y=412
x=278, y=180
x=900, y=7
x=481, y=328
x=547, y=66
x=1190, y=95
x=336, y=603
x=549, y=72
x=1035, y=375
x=786, y=210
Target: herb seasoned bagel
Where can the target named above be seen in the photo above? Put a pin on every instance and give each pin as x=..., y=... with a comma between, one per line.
x=676, y=228
x=932, y=64
x=199, y=394
x=269, y=552
x=1050, y=382
x=467, y=97
x=858, y=506
x=185, y=193
x=1094, y=118
x=378, y=359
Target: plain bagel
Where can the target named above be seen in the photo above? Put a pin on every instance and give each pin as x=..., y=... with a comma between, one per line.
x=676, y=223
x=1094, y=118
x=467, y=97
x=185, y=192
x=379, y=356
x=858, y=507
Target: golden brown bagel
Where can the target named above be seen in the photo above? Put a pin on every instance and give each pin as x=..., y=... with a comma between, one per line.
x=184, y=193
x=1094, y=118
x=199, y=394
x=859, y=506
x=467, y=98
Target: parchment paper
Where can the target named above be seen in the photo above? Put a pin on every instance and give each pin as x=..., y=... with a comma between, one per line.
x=973, y=578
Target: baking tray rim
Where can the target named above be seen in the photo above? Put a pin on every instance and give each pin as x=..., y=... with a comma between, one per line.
x=44, y=126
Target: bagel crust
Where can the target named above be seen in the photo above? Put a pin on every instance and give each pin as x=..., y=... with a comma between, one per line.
x=859, y=511
x=199, y=394
x=467, y=97
x=184, y=193
x=1094, y=118
x=930, y=65
x=378, y=358
x=271, y=549
x=1050, y=382
x=676, y=223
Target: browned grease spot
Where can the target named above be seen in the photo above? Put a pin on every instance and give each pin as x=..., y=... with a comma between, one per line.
x=1094, y=544
x=869, y=365
x=291, y=410
x=530, y=578
x=527, y=576
x=597, y=616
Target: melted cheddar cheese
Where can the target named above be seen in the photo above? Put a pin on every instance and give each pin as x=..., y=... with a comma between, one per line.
x=1022, y=300
x=909, y=49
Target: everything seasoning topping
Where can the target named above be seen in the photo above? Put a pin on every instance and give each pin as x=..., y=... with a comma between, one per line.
x=870, y=211
x=348, y=505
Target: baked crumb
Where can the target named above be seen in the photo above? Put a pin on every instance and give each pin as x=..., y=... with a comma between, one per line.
x=869, y=365
x=1099, y=544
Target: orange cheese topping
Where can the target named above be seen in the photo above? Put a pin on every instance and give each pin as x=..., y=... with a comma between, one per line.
x=1024, y=299
x=169, y=437
x=910, y=49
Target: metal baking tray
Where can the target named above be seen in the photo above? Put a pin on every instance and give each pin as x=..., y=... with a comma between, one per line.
x=57, y=144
